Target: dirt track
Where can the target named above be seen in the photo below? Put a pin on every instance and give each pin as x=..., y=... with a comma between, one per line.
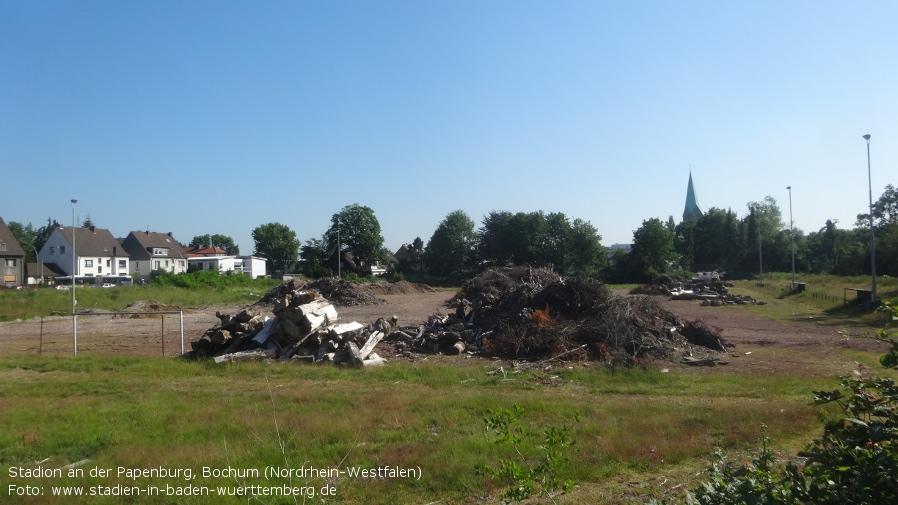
x=762, y=345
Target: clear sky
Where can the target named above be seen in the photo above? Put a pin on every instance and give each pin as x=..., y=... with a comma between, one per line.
x=197, y=117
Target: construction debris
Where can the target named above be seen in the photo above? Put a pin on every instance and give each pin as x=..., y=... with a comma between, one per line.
x=708, y=287
x=523, y=314
x=305, y=327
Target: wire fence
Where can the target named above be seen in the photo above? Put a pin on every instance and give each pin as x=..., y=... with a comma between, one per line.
x=110, y=333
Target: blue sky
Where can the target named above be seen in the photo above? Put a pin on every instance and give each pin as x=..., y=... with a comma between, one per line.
x=218, y=116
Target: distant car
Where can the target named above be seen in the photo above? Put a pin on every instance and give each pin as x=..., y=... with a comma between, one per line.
x=63, y=286
x=107, y=285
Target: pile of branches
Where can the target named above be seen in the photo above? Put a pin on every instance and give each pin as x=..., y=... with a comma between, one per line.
x=535, y=314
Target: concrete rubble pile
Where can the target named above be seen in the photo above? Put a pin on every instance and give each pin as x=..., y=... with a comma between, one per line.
x=305, y=327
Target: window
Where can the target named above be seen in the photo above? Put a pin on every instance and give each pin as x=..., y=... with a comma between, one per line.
x=52, y=249
x=10, y=262
x=157, y=265
x=108, y=263
x=88, y=263
x=2, y=245
x=166, y=263
x=122, y=264
x=62, y=249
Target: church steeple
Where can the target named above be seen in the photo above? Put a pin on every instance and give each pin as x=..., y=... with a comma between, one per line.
x=691, y=211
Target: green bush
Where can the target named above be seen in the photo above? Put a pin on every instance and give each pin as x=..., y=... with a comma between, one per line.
x=854, y=461
x=199, y=279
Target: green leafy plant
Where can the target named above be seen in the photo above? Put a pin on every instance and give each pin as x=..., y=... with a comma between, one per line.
x=854, y=461
x=529, y=475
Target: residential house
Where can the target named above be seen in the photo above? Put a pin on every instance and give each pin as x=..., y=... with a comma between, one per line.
x=151, y=251
x=96, y=253
x=12, y=258
x=41, y=274
x=254, y=266
x=216, y=258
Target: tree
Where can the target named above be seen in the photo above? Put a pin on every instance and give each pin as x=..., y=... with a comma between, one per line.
x=314, y=256
x=223, y=241
x=555, y=245
x=88, y=222
x=278, y=243
x=653, y=249
x=774, y=239
x=451, y=250
x=586, y=252
x=25, y=236
x=495, y=238
x=43, y=233
x=359, y=231
x=717, y=241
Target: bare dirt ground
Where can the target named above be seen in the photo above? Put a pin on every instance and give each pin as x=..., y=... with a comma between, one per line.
x=759, y=344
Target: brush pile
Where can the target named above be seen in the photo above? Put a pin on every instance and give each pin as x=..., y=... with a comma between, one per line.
x=527, y=313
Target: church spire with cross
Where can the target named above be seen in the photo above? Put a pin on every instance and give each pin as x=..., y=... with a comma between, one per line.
x=691, y=211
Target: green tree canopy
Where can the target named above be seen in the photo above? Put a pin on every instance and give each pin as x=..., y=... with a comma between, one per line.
x=586, y=252
x=359, y=231
x=451, y=250
x=223, y=241
x=653, y=249
x=278, y=243
x=25, y=235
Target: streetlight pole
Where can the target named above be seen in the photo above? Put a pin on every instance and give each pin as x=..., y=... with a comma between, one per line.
x=339, y=252
x=872, y=236
x=791, y=236
x=74, y=265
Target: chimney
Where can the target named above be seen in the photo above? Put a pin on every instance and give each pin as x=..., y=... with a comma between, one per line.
x=169, y=234
x=93, y=229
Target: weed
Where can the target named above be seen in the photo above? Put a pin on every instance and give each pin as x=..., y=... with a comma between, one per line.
x=534, y=475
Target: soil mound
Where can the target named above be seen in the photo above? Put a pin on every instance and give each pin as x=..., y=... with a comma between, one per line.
x=399, y=288
x=149, y=306
x=345, y=293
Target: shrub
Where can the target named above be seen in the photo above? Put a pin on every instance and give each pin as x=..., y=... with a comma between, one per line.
x=854, y=461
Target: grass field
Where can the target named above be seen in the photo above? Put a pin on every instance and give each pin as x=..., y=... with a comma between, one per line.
x=149, y=424
x=638, y=428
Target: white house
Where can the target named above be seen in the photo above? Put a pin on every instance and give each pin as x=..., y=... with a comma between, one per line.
x=96, y=253
x=253, y=266
x=214, y=259
x=151, y=251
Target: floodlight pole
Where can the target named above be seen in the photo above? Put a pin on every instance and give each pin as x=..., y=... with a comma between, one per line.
x=791, y=235
x=872, y=235
x=74, y=265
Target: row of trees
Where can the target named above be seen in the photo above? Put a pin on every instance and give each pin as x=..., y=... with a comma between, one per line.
x=456, y=250
x=719, y=240
x=760, y=241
